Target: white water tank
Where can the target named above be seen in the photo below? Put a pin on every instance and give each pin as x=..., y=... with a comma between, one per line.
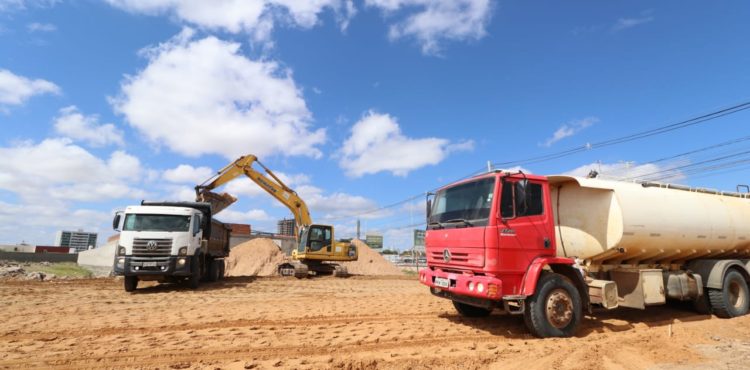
x=613, y=222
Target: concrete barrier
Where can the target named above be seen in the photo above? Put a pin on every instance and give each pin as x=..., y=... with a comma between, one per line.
x=99, y=260
x=38, y=257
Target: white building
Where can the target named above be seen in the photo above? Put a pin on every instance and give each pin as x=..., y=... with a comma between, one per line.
x=78, y=240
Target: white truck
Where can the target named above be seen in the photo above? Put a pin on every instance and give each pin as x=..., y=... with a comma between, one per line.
x=170, y=242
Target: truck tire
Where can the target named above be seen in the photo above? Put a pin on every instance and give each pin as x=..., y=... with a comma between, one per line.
x=213, y=270
x=732, y=299
x=195, y=273
x=131, y=283
x=555, y=310
x=222, y=269
x=468, y=310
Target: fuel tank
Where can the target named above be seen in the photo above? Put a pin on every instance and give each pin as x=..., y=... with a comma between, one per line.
x=616, y=222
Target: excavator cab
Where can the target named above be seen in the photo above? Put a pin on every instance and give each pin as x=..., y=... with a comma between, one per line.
x=316, y=239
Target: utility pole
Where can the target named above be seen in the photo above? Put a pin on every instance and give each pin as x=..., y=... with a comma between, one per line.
x=358, y=236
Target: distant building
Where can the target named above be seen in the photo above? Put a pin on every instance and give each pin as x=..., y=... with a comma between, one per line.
x=78, y=240
x=285, y=227
x=240, y=229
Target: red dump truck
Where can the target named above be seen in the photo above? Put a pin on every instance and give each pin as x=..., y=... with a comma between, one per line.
x=551, y=248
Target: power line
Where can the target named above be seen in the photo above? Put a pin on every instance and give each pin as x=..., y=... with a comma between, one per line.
x=631, y=137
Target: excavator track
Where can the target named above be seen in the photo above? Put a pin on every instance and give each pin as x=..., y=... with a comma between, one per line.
x=296, y=269
x=304, y=269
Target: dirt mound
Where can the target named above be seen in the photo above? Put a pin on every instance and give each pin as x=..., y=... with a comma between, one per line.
x=257, y=257
x=370, y=262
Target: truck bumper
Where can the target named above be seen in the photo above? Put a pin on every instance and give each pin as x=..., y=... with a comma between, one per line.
x=135, y=266
x=475, y=287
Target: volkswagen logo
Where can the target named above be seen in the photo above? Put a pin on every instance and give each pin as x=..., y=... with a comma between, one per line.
x=151, y=245
x=446, y=255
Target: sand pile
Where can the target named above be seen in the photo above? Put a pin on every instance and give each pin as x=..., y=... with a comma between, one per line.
x=257, y=257
x=370, y=262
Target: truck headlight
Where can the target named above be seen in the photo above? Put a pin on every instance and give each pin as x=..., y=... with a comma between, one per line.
x=480, y=288
x=120, y=251
x=180, y=262
x=121, y=263
x=182, y=251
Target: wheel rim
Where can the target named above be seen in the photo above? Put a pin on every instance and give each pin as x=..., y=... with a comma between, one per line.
x=737, y=295
x=559, y=308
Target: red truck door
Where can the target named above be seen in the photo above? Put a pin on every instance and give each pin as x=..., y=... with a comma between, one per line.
x=524, y=230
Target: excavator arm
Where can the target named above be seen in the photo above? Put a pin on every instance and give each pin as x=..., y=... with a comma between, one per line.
x=271, y=184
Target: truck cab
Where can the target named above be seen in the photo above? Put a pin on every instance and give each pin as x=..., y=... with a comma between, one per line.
x=487, y=240
x=169, y=242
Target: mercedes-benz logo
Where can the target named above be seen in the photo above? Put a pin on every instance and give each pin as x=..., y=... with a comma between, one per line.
x=446, y=255
x=151, y=245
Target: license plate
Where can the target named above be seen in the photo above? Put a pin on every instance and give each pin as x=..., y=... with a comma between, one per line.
x=442, y=282
x=149, y=264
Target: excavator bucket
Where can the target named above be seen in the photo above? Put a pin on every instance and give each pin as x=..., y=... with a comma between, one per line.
x=218, y=201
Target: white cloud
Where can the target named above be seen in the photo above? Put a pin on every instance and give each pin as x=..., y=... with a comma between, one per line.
x=376, y=144
x=255, y=17
x=338, y=204
x=15, y=89
x=49, y=177
x=56, y=169
x=625, y=23
x=73, y=124
x=435, y=21
x=244, y=217
x=186, y=173
x=37, y=223
x=628, y=170
x=204, y=97
x=569, y=129
x=41, y=27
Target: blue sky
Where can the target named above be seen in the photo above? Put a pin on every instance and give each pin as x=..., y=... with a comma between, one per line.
x=359, y=104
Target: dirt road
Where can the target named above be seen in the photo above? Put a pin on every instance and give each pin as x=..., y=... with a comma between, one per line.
x=359, y=322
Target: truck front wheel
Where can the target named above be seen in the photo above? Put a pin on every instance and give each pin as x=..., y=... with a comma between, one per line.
x=468, y=310
x=131, y=283
x=732, y=299
x=196, y=273
x=555, y=310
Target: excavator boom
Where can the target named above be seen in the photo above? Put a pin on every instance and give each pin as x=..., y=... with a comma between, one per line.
x=271, y=184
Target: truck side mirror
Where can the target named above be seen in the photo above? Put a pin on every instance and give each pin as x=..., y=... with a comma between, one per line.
x=428, y=209
x=116, y=221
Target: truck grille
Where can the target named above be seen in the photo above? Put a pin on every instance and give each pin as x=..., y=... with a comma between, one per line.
x=152, y=247
x=455, y=257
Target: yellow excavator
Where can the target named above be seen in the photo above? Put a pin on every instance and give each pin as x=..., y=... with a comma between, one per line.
x=317, y=249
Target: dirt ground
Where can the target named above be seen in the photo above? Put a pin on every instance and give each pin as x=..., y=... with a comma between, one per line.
x=353, y=323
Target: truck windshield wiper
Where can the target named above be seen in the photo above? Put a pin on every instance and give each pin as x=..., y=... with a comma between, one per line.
x=435, y=223
x=456, y=220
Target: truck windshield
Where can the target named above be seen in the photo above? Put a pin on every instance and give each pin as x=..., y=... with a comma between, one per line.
x=148, y=222
x=467, y=204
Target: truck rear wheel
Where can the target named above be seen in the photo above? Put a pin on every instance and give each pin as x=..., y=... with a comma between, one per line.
x=214, y=270
x=732, y=299
x=131, y=283
x=468, y=310
x=555, y=310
